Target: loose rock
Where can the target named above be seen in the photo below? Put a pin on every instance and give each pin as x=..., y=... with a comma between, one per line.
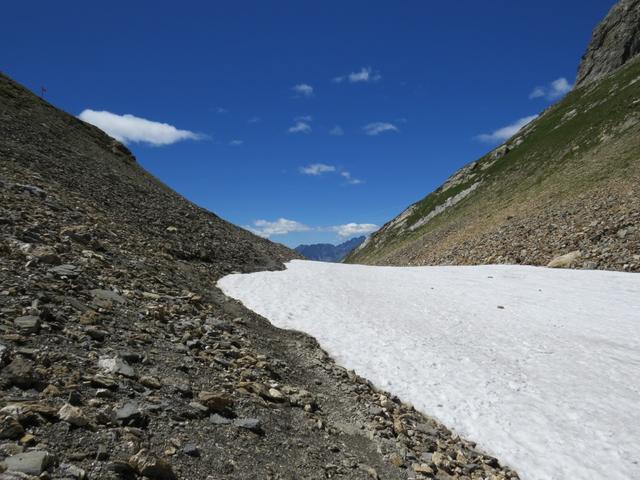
x=31, y=463
x=150, y=466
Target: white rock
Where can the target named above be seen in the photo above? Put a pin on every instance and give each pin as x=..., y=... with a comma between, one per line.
x=565, y=261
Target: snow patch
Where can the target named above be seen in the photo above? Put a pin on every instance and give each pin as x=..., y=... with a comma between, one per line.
x=539, y=366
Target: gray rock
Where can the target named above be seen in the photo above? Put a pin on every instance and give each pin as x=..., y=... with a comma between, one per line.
x=375, y=410
x=66, y=270
x=130, y=414
x=219, y=324
x=219, y=419
x=106, y=297
x=191, y=450
x=116, y=365
x=28, y=324
x=31, y=190
x=10, y=429
x=15, y=476
x=615, y=41
x=31, y=463
x=252, y=424
x=71, y=471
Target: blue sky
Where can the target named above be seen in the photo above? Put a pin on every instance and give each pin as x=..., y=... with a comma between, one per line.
x=304, y=117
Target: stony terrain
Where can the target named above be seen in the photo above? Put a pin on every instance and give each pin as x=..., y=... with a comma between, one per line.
x=119, y=359
x=564, y=191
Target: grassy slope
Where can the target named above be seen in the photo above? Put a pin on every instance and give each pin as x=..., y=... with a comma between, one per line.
x=560, y=157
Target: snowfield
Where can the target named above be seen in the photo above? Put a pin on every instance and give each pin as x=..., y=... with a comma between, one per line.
x=541, y=367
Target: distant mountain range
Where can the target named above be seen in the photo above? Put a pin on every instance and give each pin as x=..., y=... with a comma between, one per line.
x=326, y=252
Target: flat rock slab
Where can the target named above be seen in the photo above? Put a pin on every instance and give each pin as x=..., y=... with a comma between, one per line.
x=106, y=297
x=30, y=463
x=66, y=270
x=28, y=324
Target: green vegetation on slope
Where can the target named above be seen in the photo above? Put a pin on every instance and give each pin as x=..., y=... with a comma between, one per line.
x=562, y=134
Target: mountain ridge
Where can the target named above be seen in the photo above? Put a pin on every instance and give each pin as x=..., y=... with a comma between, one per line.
x=328, y=252
x=565, y=185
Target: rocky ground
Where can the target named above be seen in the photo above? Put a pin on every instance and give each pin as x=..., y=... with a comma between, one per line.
x=598, y=230
x=120, y=359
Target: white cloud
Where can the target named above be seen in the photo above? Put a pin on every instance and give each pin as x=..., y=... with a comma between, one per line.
x=281, y=226
x=350, y=180
x=236, y=143
x=336, y=131
x=221, y=110
x=560, y=87
x=317, y=169
x=284, y=226
x=300, y=127
x=303, y=89
x=131, y=129
x=376, y=128
x=366, y=74
x=353, y=229
x=537, y=93
x=553, y=91
x=507, y=132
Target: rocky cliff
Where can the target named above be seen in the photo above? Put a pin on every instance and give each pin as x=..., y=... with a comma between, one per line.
x=615, y=41
x=564, y=190
x=119, y=359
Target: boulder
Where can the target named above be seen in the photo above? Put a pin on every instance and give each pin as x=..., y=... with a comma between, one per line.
x=73, y=415
x=152, y=467
x=27, y=324
x=215, y=402
x=564, y=261
x=31, y=463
